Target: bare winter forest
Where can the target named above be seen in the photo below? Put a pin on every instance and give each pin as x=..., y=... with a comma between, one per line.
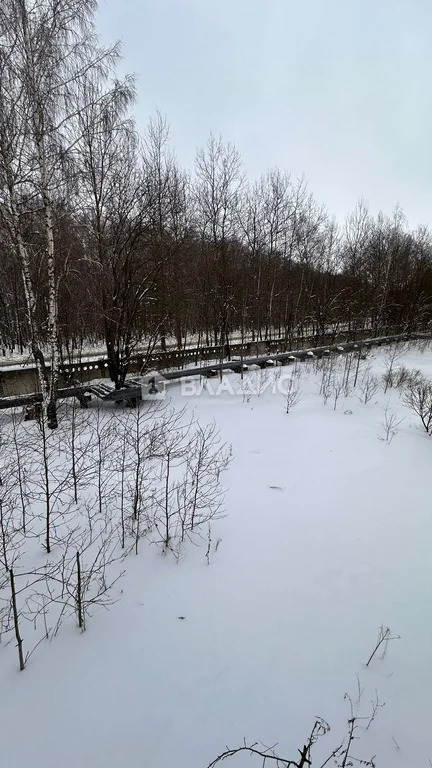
x=106, y=240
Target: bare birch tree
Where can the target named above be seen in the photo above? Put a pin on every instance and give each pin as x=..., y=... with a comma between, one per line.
x=219, y=181
x=47, y=48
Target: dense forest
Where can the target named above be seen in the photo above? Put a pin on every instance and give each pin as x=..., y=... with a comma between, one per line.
x=105, y=239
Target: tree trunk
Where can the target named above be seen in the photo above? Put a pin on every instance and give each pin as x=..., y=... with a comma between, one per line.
x=16, y=621
x=79, y=605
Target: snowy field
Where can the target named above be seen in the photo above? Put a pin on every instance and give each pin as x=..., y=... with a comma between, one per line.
x=326, y=537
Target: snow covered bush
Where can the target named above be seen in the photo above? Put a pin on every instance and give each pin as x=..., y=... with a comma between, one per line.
x=400, y=377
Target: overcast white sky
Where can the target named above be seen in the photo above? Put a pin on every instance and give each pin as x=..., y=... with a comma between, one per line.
x=338, y=89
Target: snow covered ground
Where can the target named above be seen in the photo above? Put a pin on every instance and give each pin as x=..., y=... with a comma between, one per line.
x=327, y=536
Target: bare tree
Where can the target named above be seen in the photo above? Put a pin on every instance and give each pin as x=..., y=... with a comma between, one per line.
x=337, y=388
x=21, y=465
x=187, y=494
x=390, y=357
x=104, y=439
x=360, y=355
x=207, y=459
x=143, y=432
x=82, y=576
x=173, y=450
x=219, y=180
x=390, y=425
x=328, y=367
x=77, y=441
x=369, y=386
x=52, y=481
x=292, y=393
x=167, y=229
x=115, y=208
x=418, y=397
x=47, y=48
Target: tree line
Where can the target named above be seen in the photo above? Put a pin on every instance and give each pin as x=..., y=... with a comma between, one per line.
x=107, y=240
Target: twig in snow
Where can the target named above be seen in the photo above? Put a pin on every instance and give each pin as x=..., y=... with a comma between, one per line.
x=383, y=637
x=208, y=544
x=376, y=704
x=359, y=688
x=268, y=753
